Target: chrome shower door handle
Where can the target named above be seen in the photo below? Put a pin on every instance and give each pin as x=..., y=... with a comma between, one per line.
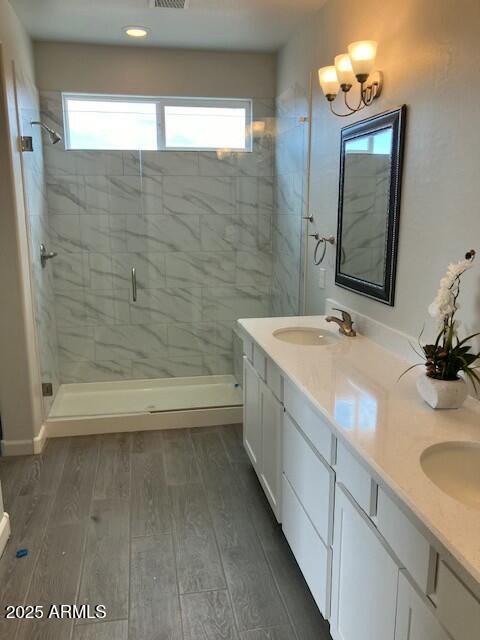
x=134, y=284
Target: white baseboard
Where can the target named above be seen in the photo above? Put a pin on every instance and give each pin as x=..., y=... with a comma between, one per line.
x=4, y=532
x=40, y=440
x=17, y=447
x=63, y=427
x=25, y=447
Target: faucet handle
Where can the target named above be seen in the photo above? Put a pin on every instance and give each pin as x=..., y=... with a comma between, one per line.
x=346, y=317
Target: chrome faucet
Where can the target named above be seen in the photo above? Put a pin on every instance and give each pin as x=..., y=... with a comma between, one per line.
x=345, y=324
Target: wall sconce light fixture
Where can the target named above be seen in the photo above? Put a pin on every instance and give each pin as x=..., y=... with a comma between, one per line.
x=356, y=65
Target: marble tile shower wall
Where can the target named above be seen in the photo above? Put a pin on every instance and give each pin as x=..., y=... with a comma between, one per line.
x=290, y=182
x=38, y=231
x=196, y=228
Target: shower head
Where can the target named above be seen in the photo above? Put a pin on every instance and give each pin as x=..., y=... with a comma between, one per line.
x=52, y=134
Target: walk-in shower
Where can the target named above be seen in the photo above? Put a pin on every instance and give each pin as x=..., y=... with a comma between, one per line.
x=158, y=253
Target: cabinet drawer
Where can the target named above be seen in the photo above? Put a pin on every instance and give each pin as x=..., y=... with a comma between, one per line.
x=457, y=608
x=313, y=557
x=274, y=380
x=356, y=479
x=310, y=477
x=259, y=362
x=411, y=548
x=310, y=422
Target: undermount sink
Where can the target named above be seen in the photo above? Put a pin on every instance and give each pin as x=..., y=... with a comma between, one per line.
x=308, y=336
x=455, y=468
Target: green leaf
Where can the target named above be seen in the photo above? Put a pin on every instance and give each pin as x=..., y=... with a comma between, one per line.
x=419, y=364
x=414, y=348
x=474, y=335
x=473, y=377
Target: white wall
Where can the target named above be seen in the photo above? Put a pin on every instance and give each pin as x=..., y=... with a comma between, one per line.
x=153, y=71
x=430, y=56
x=20, y=391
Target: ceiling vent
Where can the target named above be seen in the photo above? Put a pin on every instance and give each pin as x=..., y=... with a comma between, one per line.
x=169, y=4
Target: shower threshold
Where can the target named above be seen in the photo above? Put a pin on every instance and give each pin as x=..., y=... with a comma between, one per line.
x=146, y=396
x=130, y=405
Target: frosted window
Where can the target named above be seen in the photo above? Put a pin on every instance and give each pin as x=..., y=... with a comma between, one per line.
x=111, y=124
x=205, y=128
x=158, y=123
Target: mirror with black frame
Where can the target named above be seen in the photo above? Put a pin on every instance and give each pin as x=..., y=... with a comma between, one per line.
x=369, y=205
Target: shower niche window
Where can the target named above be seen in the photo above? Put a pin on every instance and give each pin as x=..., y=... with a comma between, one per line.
x=103, y=122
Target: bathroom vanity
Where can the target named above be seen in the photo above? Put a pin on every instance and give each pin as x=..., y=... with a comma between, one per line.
x=342, y=450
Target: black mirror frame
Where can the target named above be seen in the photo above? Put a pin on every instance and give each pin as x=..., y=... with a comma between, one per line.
x=384, y=293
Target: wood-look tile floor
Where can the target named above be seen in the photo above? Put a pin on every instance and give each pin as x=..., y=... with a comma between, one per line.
x=169, y=530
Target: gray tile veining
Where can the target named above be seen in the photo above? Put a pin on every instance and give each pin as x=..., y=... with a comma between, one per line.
x=168, y=163
x=168, y=367
x=130, y=342
x=95, y=371
x=167, y=305
x=207, y=269
x=66, y=194
x=170, y=530
x=163, y=233
x=198, y=195
x=253, y=268
x=76, y=343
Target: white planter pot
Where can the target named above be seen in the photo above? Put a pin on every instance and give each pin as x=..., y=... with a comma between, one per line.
x=442, y=394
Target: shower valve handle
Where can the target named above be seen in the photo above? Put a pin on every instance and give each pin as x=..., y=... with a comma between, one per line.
x=46, y=255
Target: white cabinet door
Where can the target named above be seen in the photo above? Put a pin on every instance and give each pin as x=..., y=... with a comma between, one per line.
x=415, y=620
x=364, y=579
x=252, y=427
x=271, y=413
x=313, y=557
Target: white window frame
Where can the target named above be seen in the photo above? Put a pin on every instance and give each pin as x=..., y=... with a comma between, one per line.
x=225, y=103
x=161, y=102
x=98, y=97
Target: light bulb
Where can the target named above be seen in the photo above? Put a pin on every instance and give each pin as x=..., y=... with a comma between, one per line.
x=135, y=32
x=329, y=82
x=362, y=56
x=345, y=74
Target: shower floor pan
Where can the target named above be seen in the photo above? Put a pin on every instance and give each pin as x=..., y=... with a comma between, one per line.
x=131, y=405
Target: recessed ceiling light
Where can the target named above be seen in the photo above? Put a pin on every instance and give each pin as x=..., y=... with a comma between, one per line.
x=135, y=32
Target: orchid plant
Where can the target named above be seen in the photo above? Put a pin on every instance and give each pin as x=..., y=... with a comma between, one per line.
x=448, y=355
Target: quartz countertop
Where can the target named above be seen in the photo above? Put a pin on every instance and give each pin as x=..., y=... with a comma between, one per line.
x=354, y=384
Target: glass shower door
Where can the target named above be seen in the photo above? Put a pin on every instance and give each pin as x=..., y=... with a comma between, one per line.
x=191, y=231
x=291, y=186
